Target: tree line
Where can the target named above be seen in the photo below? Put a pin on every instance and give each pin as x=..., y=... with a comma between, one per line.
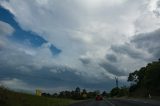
x=76, y=94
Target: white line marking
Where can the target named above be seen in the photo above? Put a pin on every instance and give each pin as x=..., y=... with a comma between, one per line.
x=145, y=102
x=110, y=103
x=137, y=101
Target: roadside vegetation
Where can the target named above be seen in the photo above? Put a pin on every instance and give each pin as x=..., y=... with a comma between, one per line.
x=11, y=98
x=144, y=83
x=76, y=94
x=63, y=98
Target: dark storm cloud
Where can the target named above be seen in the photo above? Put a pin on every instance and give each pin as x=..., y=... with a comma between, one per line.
x=148, y=41
x=139, y=45
x=111, y=58
x=157, y=10
x=46, y=78
x=112, y=69
x=126, y=49
x=42, y=77
x=85, y=60
x=18, y=65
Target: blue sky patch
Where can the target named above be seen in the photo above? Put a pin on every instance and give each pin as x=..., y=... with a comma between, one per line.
x=24, y=37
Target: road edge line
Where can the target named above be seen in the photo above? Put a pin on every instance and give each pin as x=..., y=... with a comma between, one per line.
x=110, y=103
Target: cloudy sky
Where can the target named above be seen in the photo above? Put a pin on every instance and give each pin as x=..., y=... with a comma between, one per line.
x=55, y=45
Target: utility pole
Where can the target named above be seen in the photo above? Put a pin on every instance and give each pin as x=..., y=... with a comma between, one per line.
x=116, y=78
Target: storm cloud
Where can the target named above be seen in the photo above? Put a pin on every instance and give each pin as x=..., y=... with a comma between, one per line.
x=62, y=44
x=113, y=69
x=149, y=42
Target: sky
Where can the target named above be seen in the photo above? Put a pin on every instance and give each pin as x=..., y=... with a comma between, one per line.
x=56, y=45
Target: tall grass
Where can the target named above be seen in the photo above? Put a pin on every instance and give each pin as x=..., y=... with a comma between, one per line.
x=10, y=98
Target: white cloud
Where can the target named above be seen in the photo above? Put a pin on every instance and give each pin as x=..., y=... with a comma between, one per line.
x=14, y=84
x=94, y=4
x=148, y=21
x=5, y=29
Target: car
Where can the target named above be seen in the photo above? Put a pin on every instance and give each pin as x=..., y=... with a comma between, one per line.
x=99, y=98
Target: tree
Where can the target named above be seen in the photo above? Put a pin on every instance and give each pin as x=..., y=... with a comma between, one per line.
x=123, y=91
x=104, y=93
x=146, y=79
x=119, y=92
x=84, y=91
x=114, y=92
x=133, y=77
x=77, y=93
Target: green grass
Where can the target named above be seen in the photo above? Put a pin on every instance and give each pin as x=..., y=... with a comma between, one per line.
x=10, y=98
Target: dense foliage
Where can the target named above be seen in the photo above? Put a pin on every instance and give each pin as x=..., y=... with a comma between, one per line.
x=146, y=81
x=119, y=92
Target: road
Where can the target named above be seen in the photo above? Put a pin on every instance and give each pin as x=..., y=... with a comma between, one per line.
x=118, y=102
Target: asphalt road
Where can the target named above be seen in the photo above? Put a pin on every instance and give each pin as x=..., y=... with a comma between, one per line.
x=118, y=102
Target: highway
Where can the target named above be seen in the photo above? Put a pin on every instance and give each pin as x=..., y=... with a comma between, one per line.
x=118, y=102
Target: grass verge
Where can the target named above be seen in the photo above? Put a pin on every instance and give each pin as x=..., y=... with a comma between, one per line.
x=10, y=98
